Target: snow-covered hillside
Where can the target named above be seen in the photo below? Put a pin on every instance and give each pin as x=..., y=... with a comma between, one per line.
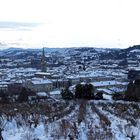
x=74, y=120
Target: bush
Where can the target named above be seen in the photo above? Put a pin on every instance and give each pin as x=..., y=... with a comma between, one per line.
x=99, y=95
x=133, y=91
x=67, y=94
x=118, y=96
x=4, y=97
x=23, y=97
x=85, y=91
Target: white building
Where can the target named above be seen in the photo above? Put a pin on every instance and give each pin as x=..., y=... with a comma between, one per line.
x=39, y=85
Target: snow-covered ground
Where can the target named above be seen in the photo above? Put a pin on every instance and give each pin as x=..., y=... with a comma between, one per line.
x=82, y=120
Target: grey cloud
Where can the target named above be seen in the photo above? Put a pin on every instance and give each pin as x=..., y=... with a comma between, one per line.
x=3, y=44
x=17, y=25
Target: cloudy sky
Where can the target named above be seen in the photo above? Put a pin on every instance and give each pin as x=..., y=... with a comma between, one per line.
x=69, y=23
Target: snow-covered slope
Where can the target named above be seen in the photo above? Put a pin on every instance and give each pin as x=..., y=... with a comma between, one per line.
x=78, y=120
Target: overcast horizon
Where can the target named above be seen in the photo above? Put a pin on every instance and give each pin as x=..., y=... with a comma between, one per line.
x=69, y=23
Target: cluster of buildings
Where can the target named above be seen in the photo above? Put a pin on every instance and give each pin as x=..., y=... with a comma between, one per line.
x=49, y=78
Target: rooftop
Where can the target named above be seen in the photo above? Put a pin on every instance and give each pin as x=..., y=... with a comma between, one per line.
x=37, y=81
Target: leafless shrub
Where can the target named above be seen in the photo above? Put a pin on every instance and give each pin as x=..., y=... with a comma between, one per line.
x=103, y=119
x=64, y=127
x=74, y=130
x=82, y=112
x=46, y=128
x=129, y=132
x=90, y=134
x=28, y=136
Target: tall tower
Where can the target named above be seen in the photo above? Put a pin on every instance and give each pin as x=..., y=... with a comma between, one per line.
x=43, y=62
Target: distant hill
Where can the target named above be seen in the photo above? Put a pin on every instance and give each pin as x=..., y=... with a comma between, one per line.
x=135, y=47
x=96, y=53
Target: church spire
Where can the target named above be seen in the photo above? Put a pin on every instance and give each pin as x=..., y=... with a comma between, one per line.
x=43, y=63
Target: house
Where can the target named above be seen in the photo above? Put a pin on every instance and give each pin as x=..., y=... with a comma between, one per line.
x=109, y=84
x=43, y=75
x=61, y=83
x=39, y=85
